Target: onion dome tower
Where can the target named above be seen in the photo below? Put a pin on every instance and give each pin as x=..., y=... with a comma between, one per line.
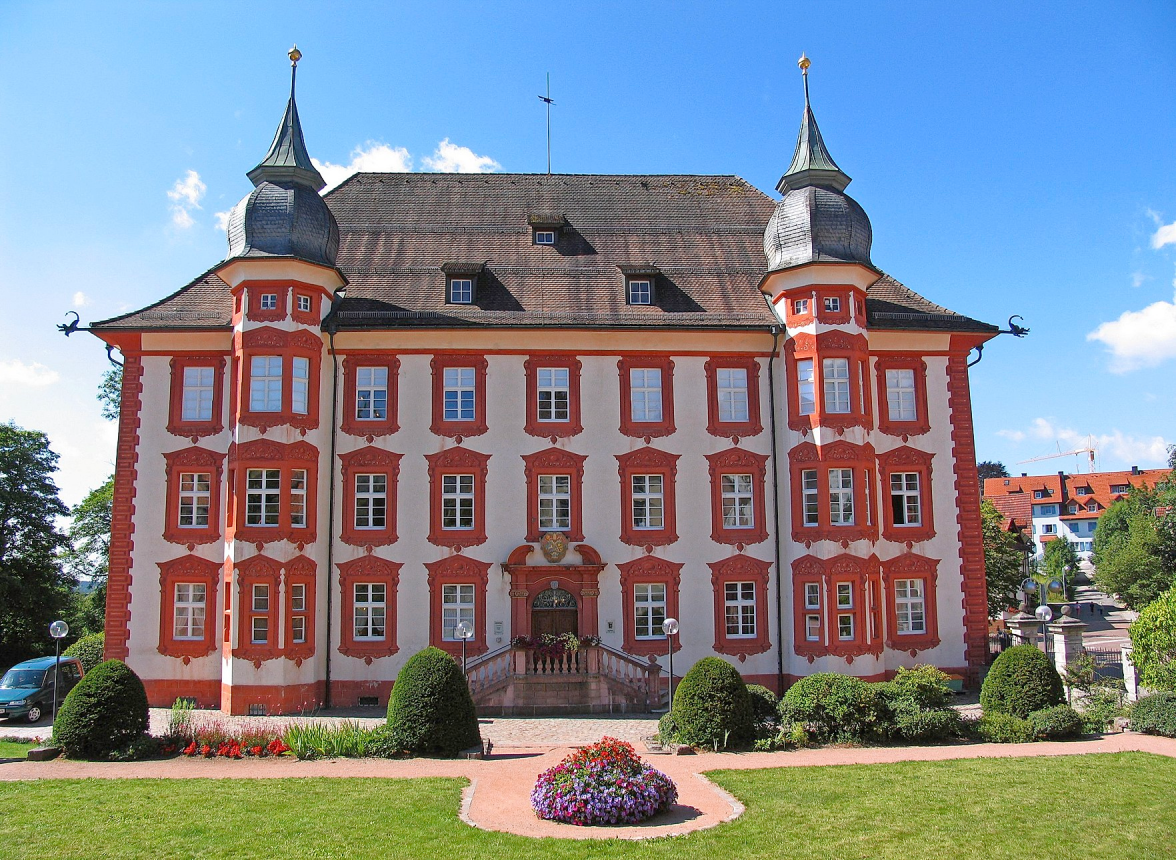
x=284, y=216
x=816, y=221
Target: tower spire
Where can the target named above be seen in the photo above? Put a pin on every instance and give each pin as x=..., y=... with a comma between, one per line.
x=288, y=159
x=811, y=162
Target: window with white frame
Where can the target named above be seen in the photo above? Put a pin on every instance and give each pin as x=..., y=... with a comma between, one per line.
x=905, y=503
x=645, y=393
x=739, y=609
x=812, y=627
x=458, y=394
x=457, y=605
x=640, y=292
x=841, y=497
x=265, y=383
x=269, y=301
x=1092, y=507
x=553, y=393
x=900, y=394
x=298, y=498
x=189, y=610
x=1049, y=529
x=805, y=386
x=371, y=393
x=1120, y=489
x=198, y=388
x=304, y=304
x=195, y=498
x=371, y=501
x=910, y=606
x=297, y=613
x=812, y=620
x=369, y=610
x=812, y=595
x=457, y=502
x=649, y=609
x=461, y=291
x=810, y=497
x=648, y=501
x=832, y=304
x=732, y=393
x=737, y=504
x=544, y=237
x=845, y=620
x=262, y=496
x=555, y=502
x=1081, y=491
x=300, y=387
x=1039, y=494
x=260, y=623
x=835, y=372
x=800, y=306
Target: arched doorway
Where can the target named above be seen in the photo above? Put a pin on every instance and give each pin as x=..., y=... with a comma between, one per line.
x=554, y=611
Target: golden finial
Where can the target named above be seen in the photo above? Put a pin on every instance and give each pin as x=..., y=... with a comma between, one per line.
x=295, y=55
x=804, y=63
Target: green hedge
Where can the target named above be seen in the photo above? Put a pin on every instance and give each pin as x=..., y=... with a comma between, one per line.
x=88, y=650
x=764, y=705
x=1060, y=721
x=712, y=707
x=105, y=712
x=836, y=708
x=1020, y=681
x=1000, y=728
x=431, y=710
x=1155, y=715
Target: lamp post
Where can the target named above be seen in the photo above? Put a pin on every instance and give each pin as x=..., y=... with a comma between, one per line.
x=1044, y=615
x=58, y=630
x=670, y=628
x=464, y=631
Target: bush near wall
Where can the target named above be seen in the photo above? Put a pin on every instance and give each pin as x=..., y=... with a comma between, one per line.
x=105, y=712
x=1021, y=680
x=836, y=708
x=712, y=707
x=431, y=710
x=1155, y=715
x=88, y=650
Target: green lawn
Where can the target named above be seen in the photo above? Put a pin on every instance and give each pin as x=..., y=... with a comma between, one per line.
x=14, y=749
x=1105, y=806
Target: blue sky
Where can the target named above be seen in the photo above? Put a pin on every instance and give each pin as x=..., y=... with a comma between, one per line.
x=1012, y=160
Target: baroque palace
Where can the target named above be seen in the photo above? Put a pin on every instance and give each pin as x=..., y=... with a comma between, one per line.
x=525, y=404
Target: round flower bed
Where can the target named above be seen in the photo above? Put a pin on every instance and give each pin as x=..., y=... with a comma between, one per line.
x=605, y=783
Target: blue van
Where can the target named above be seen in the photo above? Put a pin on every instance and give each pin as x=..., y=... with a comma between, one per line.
x=26, y=690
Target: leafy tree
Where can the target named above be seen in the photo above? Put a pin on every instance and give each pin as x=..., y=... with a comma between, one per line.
x=1153, y=643
x=110, y=393
x=1002, y=560
x=1134, y=549
x=991, y=469
x=33, y=589
x=88, y=555
x=1061, y=563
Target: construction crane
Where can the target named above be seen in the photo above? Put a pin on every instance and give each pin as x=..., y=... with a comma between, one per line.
x=1089, y=450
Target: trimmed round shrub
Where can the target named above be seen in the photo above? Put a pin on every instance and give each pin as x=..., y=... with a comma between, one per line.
x=1155, y=715
x=1060, y=721
x=935, y=724
x=764, y=705
x=999, y=728
x=836, y=708
x=926, y=686
x=431, y=710
x=88, y=650
x=1022, y=680
x=712, y=707
x=105, y=712
x=667, y=729
x=605, y=783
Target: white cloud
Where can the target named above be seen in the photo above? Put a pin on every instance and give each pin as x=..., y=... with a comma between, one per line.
x=80, y=299
x=451, y=158
x=222, y=219
x=1166, y=235
x=1137, y=279
x=34, y=375
x=1014, y=435
x=371, y=157
x=1115, y=446
x=1138, y=339
x=185, y=196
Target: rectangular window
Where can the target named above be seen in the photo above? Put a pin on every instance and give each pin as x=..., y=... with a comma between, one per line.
x=544, y=237
x=552, y=388
x=461, y=291
x=1049, y=529
x=369, y=609
x=555, y=502
x=298, y=604
x=909, y=606
x=269, y=301
x=812, y=628
x=806, y=392
x=262, y=497
x=371, y=393
x=640, y=293
x=645, y=393
x=195, y=498
x=1120, y=489
x=845, y=627
x=732, y=385
x=739, y=607
x=800, y=306
x=900, y=395
x=304, y=304
x=649, y=609
x=1039, y=494
x=198, y=387
x=300, y=388
x=811, y=497
x=457, y=605
x=298, y=629
x=298, y=597
x=298, y=498
x=1082, y=491
x=904, y=499
x=836, y=377
x=260, y=630
x=845, y=595
x=371, y=501
x=459, y=394
x=265, y=383
x=457, y=501
x=737, y=505
x=832, y=304
x=189, y=610
x=841, y=497
x=648, y=502
x=260, y=623
x=812, y=595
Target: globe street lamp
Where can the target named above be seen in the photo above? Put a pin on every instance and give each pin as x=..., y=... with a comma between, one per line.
x=670, y=628
x=464, y=631
x=58, y=630
x=1044, y=615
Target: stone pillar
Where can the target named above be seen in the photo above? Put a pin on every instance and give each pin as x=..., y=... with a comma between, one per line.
x=1067, y=639
x=1025, y=627
x=1130, y=676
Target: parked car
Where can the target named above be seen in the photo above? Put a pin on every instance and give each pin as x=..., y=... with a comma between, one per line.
x=26, y=690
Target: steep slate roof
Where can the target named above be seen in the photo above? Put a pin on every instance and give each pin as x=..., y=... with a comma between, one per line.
x=703, y=233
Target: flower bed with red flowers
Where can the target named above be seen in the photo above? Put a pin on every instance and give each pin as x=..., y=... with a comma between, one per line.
x=605, y=783
x=213, y=740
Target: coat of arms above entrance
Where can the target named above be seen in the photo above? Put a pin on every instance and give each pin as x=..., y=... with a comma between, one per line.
x=554, y=546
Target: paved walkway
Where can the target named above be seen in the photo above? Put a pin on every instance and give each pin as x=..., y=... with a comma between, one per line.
x=498, y=796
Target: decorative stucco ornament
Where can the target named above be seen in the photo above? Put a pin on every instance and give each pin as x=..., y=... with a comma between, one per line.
x=554, y=546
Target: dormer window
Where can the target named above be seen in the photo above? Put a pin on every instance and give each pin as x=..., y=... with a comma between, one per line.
x=546, y=227
x=269, y=301
x=544, y=237
x=461, y=282
x=461, y=291
x=640, y=284
x=640, y=291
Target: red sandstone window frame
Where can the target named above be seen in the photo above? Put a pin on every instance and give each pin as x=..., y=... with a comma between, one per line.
x=911, y=566
x=176, y=425
x=829, y=344
x=552, y=429
x=863, y=577
x=648, y=461
x=647, y=429
x=733, y=429
x=837, y=317
x=369, y=461
x=836, y=455
x=459, y=429
x=741, y=568
x=555, y=461
x=299, y=571
x=266, y=454
x=902, y=361
x=257, y=570
x=199, y=461
x=375, y=570
x=457, y=461
x=187, y=570
x=311, y=317
x=253, y=293
x=806, y=570
x=268, y=341
x=653, y=570
x=370, y=428
x=907, y=459
x=458, y=570
x=738, y=461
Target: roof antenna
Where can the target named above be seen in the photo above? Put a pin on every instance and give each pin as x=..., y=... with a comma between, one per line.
x=547, y=101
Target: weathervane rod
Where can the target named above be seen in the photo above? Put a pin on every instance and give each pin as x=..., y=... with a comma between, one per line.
x=547, y=100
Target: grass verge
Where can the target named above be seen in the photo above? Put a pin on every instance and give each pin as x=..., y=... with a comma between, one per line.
x=14, y=749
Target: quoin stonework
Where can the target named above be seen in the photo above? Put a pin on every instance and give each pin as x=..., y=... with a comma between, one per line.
x=541, y=404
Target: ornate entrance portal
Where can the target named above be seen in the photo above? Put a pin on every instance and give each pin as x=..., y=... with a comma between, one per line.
x=554, y=611
x=554, y=598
